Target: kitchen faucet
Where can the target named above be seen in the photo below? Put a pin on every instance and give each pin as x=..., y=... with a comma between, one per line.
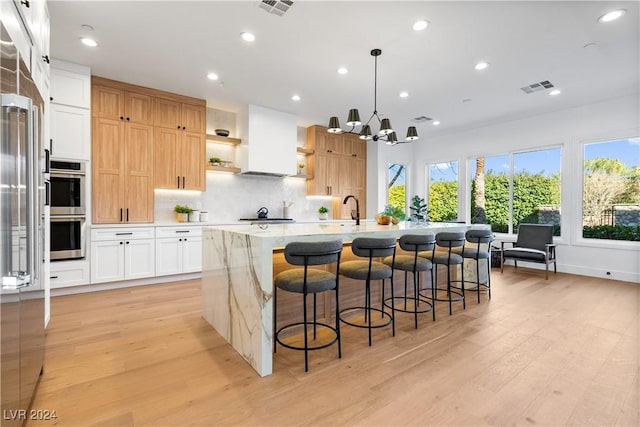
x=344, y=202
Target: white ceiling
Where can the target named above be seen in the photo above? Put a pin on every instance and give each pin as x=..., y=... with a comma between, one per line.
x=172, y=45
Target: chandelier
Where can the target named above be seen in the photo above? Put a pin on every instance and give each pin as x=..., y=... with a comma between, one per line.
x=386, y=132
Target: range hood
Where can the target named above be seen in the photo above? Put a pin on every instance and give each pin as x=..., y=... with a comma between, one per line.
x=268, y=142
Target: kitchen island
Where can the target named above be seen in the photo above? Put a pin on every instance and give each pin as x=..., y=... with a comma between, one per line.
x=237, y=276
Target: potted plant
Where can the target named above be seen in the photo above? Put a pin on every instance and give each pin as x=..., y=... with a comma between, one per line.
x=419, y=211
x=396, y=213
x=323, y=213
x=182, y=212
x=301, y=166
x=215, y=161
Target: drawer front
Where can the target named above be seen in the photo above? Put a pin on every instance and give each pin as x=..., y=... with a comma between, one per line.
x=193, y=231
x=119, y=233
x=65, y=274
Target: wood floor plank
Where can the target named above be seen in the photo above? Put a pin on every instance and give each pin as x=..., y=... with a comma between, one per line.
x=562, y=351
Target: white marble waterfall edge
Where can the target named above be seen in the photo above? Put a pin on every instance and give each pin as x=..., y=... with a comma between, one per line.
x=237, y=277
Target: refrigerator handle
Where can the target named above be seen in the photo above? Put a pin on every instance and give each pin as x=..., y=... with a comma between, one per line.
x=47, y=161
x=32, y=194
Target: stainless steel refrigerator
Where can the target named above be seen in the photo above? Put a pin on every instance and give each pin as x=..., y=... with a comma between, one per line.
x=22, y=199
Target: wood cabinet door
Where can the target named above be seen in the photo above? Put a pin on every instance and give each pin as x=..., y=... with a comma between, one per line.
x=193, y=118
x=139, y=173
x=138, y=108
x=108, y=170
x=167, y=113
x=191, y=159
x=359, y=148
x=107, y=102
x=165, y=158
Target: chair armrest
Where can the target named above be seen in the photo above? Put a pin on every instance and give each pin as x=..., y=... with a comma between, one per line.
x=550, y=249
x=513, y=244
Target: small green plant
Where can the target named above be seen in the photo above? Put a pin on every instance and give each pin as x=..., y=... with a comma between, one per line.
x=182, y=209
x=215, y=160
x=301, y=165
x=419, y=211
x=323, y=210
x=394, y=211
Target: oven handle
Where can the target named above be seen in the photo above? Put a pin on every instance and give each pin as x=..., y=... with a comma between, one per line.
x=60, y=218
x=63, y=173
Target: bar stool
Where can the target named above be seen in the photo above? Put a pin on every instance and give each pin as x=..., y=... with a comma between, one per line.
x=309, y=281
x=369, y=270
x=415, y=264
x=479, y=238
x=453, y=242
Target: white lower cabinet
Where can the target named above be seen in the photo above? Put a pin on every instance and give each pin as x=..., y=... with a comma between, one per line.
x=69, y=273
x=178, y=250
x=122, y=254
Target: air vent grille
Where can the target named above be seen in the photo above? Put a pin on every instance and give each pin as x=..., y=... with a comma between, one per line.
x=537, y=87
x=277, y=7
x=421, y=119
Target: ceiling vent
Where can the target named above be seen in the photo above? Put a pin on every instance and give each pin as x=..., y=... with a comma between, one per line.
x=536, y=87
x=421, y=119
x=277, y=7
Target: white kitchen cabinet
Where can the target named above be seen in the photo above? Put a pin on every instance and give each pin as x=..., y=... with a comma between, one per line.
x=122, y=254
x=178, y=250
x=69, y=273
x=70, y=132
x=70, y=88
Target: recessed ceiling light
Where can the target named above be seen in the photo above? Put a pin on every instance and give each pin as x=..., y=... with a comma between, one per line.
x=482, y=65
x=342, y=70
x=212, y=76
x=296, y=97
x=404, y=94
x=612, y=16
x=466, y=100
x=436, y=123
x=89, y=42
x=248, y=37
x=420, y=25
x=555, y=92
x=86, y=27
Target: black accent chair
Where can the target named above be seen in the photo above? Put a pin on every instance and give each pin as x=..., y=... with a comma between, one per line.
x=482, y=240
x=370, y=248
x=413, y=243
x=309, y=281
x=453, y=242
x=534, y=244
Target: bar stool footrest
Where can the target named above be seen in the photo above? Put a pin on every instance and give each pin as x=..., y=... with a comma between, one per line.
x=420, y=299
x=372, y=310
x=310, y=325
x=459, y=297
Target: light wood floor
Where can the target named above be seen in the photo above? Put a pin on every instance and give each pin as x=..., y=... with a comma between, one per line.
x=558, y=352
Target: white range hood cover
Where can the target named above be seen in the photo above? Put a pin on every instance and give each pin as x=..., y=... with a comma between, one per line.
x=268, y=142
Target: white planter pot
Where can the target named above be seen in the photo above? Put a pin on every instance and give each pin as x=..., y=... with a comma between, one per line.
x=323, y=216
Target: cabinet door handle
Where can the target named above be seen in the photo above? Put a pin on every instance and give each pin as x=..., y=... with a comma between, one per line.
x=182, y=231
x=184, y=128
x=178, y=182
x=127, y=242
x=121, y=243
x=128, y=119
x=53, y=277
x=178, y=126
x=120, y=214
x=45, y=58
x=47, y=193
x=121, y=117
x=184, y=240
x=183, y=184
x=124, y=234
x=25, y=2
x=179, y=240
x=127, y=215
x=51, y=145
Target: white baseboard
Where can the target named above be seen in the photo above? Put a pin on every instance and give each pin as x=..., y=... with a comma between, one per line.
x=580, y=270
x=123, y=284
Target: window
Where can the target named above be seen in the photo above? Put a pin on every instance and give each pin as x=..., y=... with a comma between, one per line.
x=510, y=189
x=396, y=188
x=443, y=191
x=611, y=190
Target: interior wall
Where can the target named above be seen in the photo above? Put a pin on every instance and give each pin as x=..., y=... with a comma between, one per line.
x=611, y=119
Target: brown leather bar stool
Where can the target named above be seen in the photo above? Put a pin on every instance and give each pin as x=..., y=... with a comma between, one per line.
x=306, y=281
x=414, y=243
x=369, y=270
x=453, y=242
x=479, y=238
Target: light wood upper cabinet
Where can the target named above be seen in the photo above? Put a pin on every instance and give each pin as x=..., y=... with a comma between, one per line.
x=338, y=167
x=138, y=108
x=107, y=102
x=180, y=141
